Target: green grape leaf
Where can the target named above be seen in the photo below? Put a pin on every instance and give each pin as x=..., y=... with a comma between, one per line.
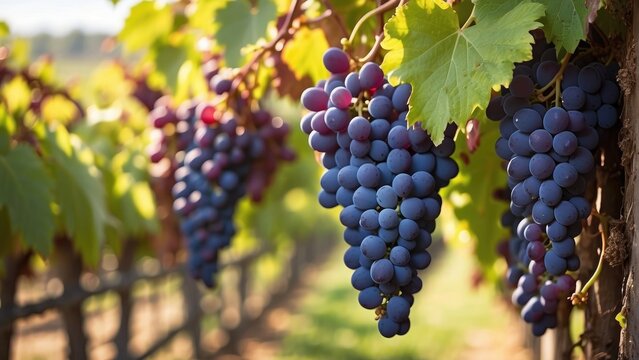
x=5, y=141
x=565, y=23
x=147, y=22
x=25, y=190
x=190, y=82
x=79, y=193
x=169, y=60
x=203, y=16
x=452, y=69
x=304, y=52
x=7, y=128
x=130, y=195
x=471, y=194
x=241, y=25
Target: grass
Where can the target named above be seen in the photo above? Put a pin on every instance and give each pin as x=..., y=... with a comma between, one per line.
x=446, y=313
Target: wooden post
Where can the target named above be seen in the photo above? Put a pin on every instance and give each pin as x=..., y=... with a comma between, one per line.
x=8, y=286
x=69, y=267
x=629, y=348
x=127, y=261
x=193, y=313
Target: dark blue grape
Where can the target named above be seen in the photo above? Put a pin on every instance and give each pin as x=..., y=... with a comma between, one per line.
x=564, y=248
x=352, y=84
x=589, y=79
x=382, y=271
x=573, y=98
x=527, y=120
x=351, y=257
x=400, y=97
x=361, y=279
x=371, y=76
x=387, y=327
x=607, y=116
x=370, y=298
x=540, y=141
x=565, y=175
x=555, y=264
x=336, y=61
x=541, y=166
x=380, y=107
x=556, y=120
x=399, y=256
x=314, y=99
x=359, y=128
x=565, y=143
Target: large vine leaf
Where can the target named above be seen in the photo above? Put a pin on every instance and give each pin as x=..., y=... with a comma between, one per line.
x=25, y=191
x=304, y=52
x=471, y=195
x=204, y=14
x=452, y=69
x=79, y=194
x=147, y=22
x=565, y=23
x=240, y=25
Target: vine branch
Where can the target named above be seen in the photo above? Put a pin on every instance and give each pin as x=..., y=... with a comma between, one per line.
x=283, y=34
x=381, y=9
x=581, y=297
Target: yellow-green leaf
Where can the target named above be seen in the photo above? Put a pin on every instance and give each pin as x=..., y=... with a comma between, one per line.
x=4, y=29
x=453, y=69
x=303, y=54
x=203, y=16
x=17, y=95
x=147, y=22
x=57, y=108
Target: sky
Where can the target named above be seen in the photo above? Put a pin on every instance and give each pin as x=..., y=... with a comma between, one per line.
x=58, y=17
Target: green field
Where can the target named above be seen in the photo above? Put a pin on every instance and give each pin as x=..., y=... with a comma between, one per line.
x=448, y=313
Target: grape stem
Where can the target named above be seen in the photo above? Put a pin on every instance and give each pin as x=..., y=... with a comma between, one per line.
x=383, y=8
x=470, y=20
x=378, y=39
x=581, y=297
x=283, y=34
x=557, y=93
x=544, y=98
x=374, y=50
x=558, y=76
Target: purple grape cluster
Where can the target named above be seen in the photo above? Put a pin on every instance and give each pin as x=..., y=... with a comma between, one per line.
x=549, y=150
x=218, y=159
x=385, y=175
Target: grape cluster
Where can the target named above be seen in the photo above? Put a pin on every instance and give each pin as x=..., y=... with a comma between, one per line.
x=549, y=150
x=219, y=158
x=385, y=175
